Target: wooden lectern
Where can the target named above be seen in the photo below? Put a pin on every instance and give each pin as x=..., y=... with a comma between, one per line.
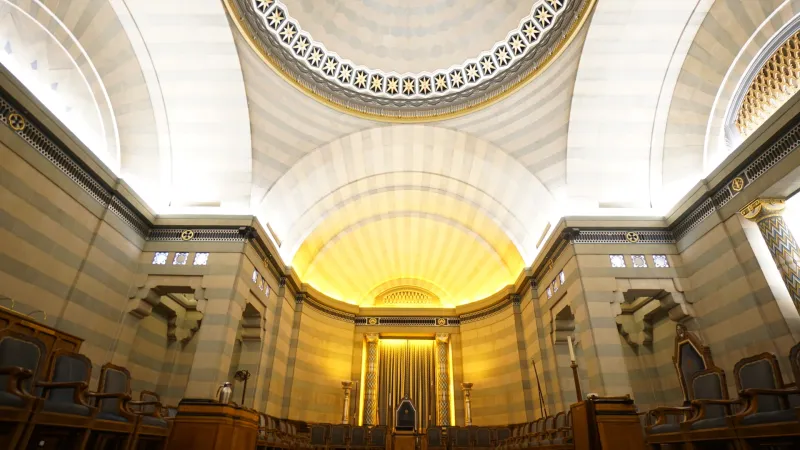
x=404, y=436
x=606, y=423
x=203, y=424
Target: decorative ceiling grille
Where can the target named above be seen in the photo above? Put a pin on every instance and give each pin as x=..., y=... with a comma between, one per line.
x=776, y=82
x=406, y=296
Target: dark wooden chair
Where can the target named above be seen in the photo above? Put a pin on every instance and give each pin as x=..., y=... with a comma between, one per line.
x=261, y=438
x=709, y=423
x=21, y=359
x=767, y=413
x=482, y=438
x=434, y=438
x=460, y=438
x=337, y=439
x=377, y=437
x=152, y=429
x=319, y=435
x=500, y=435
x=358, y=437
x=62, y=413
x=690, y=357
x=794, y=361
x=114, y=423
x=273, y=434
x=561, y=434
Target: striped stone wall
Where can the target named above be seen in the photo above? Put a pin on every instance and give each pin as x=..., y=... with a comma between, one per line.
x=491, y=360
x=281, y=338
x=737, y=313
x=149, y=353
x=322, y=361
x=62, y=253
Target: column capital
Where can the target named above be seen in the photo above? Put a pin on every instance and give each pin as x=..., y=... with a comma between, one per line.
x=372, y=337
x=346, y=385
x=466, y=386
x=763, y=208
x=442, y=337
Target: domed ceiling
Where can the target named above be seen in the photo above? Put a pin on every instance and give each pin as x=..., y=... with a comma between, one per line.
x=410, y=60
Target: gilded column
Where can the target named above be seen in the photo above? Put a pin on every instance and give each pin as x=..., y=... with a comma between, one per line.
x=371, y=380
x=467, y=387
x=767, y=213
x=347, y=386
x=442, y=380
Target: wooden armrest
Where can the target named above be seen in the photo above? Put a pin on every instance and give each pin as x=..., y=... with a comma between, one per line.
x=102, y=395
x=714, y=401
x=14, y=370
x=14, y=382
x=757, y=391
x=61, y=384
x=144, y=403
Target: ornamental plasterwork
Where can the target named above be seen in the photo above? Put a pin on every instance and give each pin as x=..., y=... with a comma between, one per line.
x=390, y=95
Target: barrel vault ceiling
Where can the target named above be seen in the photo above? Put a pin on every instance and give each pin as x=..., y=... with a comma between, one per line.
x=618, y=110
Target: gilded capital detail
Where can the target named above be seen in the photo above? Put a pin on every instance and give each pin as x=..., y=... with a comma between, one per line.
x=767, y=213
x=763, y=208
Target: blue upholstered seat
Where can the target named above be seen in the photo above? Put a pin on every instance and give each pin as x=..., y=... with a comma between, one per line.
x=781, y=415
x=703, y=424
x=66, y=408
x=154, y=421
x=9, y=399
x=665, y=428
x=105, y=415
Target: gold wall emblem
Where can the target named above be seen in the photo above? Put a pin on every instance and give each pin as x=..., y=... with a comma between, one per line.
x=632, y=237
x=16, y=122
x=187, y=235
x=737, y=184
x=372, y=321
x=441, y=321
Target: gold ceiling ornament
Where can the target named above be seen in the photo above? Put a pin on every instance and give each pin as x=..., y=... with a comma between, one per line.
x=16, y=122
x=367, y=82
x=737, y=184
x=632, y=237
x=187, y=235
x=773, y=85
x=372, y=321
x=441, y=322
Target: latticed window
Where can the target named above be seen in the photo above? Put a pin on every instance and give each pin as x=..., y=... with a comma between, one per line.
x=772, y=86
x=200, y=259
x=160, y=258
x=617, y=260
x=660, y=261
x=180, y=259
x=639, y=261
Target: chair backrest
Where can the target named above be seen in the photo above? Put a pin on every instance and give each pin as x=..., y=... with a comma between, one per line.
x=502, y=434
x=560, y=420
x=377, y=436
x=434, y=436
x=149, y=396
x=462, y=437
x=318, y=434
x=19, y=350
x=68, y=367
x=113, y=379
x=710, y=384
x=539, y=425
x=483, y=437
x=794, y=361
x=761, y=372
x=358, y=436
x=338, y=433
x=690, y=357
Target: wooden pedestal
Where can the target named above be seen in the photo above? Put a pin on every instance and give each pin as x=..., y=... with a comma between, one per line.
x=404, y=440
x=206, y=425
x=607, y=423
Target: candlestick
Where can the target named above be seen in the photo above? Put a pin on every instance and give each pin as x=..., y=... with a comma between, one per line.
x=571, y=350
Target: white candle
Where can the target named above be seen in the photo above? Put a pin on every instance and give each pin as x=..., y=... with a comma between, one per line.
x=571, y=350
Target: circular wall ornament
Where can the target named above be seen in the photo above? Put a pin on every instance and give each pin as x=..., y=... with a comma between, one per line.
x=187, y=235
x=16, y=122
x=441, y=321
x=632, y=237
x=737, y=184
x=389, y=95
x=372, y=321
